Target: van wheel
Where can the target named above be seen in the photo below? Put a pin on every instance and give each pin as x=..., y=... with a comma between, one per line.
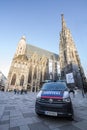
x=71, y=118
x=38, y=114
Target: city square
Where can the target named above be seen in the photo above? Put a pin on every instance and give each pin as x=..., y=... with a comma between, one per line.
x=17, y=112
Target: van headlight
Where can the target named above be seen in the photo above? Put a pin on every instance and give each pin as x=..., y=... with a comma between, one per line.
x=38, y=97
x=66, y=97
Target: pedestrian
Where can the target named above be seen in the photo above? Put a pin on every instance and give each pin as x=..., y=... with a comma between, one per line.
x=15, y=91
x=72, y=90
x=25, y=91
x=85, y=88
x=33, y=89
x=21, y=91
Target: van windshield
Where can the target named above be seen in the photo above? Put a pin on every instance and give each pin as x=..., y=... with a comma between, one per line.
x=54, y=86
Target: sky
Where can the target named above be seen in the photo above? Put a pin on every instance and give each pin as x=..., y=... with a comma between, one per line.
x=40, y=22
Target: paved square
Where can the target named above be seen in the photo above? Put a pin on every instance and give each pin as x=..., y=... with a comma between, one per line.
x=17, y=112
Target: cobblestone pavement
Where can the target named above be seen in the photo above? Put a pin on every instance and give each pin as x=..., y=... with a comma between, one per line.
x=17, y=112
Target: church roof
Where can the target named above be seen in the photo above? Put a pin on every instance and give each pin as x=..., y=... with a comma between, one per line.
x=41, y=52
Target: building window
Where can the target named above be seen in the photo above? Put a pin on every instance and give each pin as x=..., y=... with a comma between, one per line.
x=72, y=55
x=13, y=79
x=65, y=59
x=22, y=80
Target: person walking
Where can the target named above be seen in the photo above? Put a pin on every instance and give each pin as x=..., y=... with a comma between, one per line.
x=85, y=88
x=72, y=90
x=15, y=91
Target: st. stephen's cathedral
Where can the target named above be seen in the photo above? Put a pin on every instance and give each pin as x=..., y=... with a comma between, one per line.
x=32, y=65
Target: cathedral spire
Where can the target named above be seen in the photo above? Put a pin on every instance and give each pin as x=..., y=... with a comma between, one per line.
x=63, y=22
x=69, y=58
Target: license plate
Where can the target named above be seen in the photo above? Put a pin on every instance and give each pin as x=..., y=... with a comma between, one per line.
x=50, y=113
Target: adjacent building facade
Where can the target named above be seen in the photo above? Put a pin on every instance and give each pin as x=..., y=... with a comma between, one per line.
x=3, y=81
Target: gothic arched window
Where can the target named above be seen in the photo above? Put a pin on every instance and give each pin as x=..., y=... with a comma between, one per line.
x=45, y=75
x=65, y=58
x=41, y=77
x=22, y=80
x=30, y=75
x=13, y=79
x=35, y=74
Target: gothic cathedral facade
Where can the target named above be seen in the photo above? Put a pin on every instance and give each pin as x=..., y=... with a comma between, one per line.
x=32, y=65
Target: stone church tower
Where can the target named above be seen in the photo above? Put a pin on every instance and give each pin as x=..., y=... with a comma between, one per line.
x=30, y=66
x=69, y=58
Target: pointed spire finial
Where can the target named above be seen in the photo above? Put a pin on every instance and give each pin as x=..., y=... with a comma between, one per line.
x=23, y=37
x=63, y=21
